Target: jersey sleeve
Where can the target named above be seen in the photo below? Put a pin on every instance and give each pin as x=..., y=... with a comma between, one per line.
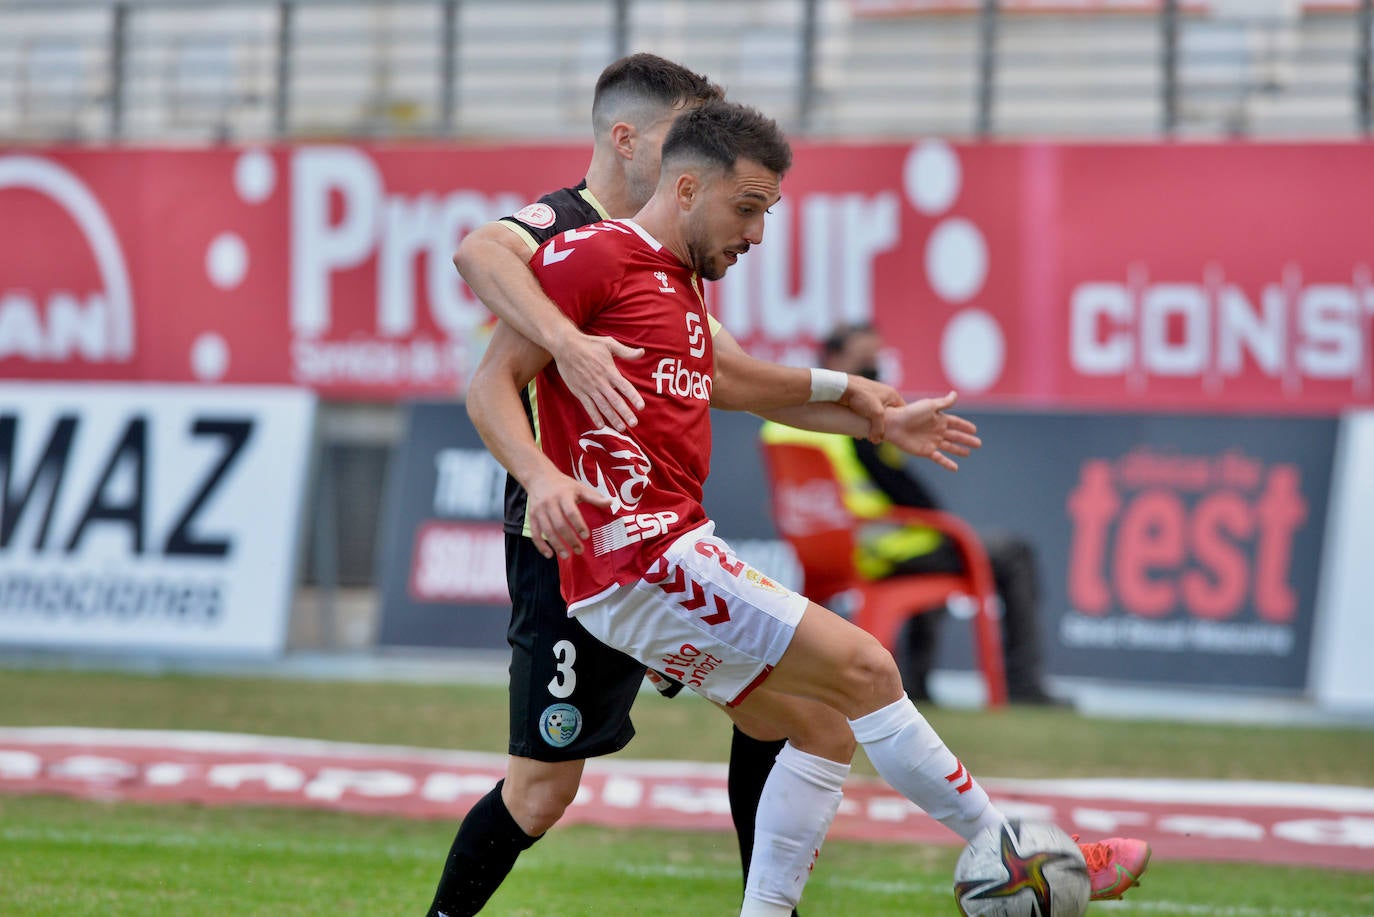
x=539, y=222
x=580, y=271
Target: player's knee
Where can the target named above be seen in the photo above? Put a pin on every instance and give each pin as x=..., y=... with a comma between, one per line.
x=537, y=805
x=872, y=678
x=826, y=737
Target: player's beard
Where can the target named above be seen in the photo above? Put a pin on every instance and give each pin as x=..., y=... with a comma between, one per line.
x=702, y=252
x=708, y=266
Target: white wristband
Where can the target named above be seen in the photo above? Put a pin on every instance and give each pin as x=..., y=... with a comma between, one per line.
x=828, y=384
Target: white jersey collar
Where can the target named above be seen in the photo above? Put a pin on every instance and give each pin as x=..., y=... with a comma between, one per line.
x=642, y=233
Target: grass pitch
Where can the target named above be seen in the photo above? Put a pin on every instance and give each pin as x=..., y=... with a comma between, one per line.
x=67, y=858
x=72, y=858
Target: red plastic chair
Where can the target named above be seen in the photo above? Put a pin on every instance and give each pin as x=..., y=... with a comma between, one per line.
x=810, y=512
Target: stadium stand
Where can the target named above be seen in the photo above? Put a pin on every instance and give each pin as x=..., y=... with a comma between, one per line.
x=179, y=70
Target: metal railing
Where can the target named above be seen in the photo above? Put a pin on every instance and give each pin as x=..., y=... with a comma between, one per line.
x=241, y=70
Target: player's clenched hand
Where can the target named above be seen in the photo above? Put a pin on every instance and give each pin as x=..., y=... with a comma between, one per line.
x=587, y=364
x=552, y=512
x=870, y=400
x=923, y=429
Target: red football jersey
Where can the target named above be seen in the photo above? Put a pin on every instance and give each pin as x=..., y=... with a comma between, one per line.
x=612, y=278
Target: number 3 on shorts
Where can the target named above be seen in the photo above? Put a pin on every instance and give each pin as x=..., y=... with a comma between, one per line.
x=565, y=681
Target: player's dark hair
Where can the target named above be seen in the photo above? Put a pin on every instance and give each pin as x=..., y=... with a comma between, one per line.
x=723, y=132
x=836, y=341
x=642, y=83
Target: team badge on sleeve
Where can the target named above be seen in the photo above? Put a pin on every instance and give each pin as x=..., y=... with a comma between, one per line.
x=560, y=724
x=540, y=216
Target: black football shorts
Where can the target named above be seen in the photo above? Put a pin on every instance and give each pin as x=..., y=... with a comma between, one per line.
x=570, y=694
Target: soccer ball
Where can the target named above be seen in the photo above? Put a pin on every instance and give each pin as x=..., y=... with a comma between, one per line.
x=1022, y=869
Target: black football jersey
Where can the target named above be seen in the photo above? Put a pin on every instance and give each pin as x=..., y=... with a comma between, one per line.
x=554, y=213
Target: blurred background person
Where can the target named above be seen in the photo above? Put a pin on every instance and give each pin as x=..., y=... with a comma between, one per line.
x=877, y=476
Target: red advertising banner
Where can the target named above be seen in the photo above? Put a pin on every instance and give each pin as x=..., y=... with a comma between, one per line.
x=1197, y=277
x=323, y=266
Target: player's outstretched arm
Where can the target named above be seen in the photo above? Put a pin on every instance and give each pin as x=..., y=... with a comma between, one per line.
x=923, y=429
x=494, y=262
x=494, y=405
x=744, y=383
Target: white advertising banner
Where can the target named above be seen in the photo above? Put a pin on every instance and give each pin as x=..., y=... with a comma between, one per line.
x=1341, y=670
x=150, y=518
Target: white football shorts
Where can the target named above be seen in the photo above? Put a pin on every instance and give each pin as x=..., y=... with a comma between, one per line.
x=701, y=615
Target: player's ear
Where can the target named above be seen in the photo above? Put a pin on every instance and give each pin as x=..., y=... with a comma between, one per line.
x=624, y=136
x=688, y=188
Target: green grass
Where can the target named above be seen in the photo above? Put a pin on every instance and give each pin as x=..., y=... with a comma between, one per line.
x=71, y=858
x=66, y=858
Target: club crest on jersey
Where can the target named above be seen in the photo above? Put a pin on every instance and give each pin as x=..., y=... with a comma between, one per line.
x=663, y=285
x=560, y=724
x=540, y=216
x=613, y=464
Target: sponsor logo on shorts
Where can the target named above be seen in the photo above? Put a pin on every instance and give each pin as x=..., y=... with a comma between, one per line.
x=540, y=216
x=623, y=531
x=763, y=582
x=560, y=724
x=689, y=665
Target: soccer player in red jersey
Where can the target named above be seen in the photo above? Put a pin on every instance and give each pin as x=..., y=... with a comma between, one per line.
x=557, y=668
x=640, y=565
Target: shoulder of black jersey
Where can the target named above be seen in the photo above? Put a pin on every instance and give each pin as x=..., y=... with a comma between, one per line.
x=554, y=213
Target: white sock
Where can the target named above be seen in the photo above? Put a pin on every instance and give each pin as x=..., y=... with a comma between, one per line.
x=914, y=761
x=798, y=804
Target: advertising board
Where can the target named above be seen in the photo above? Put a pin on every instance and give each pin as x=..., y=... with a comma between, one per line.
x=150, y=518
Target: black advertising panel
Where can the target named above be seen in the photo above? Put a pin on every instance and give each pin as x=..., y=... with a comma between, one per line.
x=1178, y=549
x=442, y=570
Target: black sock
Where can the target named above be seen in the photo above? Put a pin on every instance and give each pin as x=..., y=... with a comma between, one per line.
x=483, y=853
x=751, y=761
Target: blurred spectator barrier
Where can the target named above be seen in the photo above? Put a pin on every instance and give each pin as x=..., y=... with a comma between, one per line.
x=177, y=70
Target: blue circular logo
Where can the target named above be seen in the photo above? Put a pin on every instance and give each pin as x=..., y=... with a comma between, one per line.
x=560, y=724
